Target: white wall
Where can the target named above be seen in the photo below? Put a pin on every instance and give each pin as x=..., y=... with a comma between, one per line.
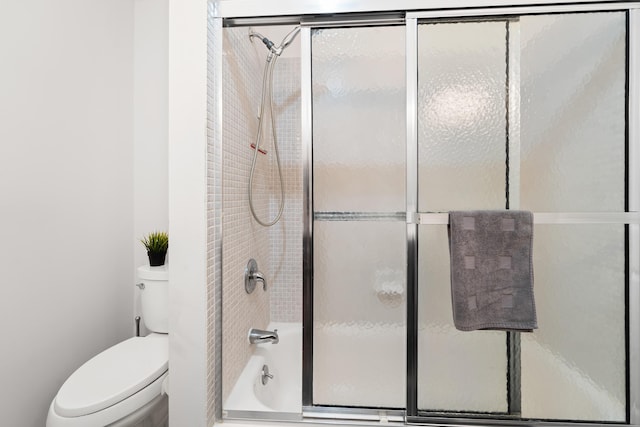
x=66, y=193
x=187, y=211
x=150, y=99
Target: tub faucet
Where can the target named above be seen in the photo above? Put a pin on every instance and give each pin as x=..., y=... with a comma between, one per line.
x=258, y=336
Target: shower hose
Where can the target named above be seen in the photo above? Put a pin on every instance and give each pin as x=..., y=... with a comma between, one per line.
x=267, y=93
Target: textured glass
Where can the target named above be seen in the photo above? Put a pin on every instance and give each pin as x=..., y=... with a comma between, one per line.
x=359, y=313
x=573, y=112
x=461, y=154
x=573, y=366
x=457, y=371
x=359, y=123
x=461, y=115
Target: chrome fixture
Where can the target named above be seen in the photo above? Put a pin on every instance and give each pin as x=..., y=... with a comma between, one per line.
x=140, y=285
x=258, y=336
x=252, y=276
x=267, y=98
x=137, y=320
x=273, y=49
x=265, y=376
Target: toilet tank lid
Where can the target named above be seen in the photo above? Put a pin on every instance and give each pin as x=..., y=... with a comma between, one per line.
x=153, y=273
x=113, y=375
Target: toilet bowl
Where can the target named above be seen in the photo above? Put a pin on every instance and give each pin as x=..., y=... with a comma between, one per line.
x=125, y=385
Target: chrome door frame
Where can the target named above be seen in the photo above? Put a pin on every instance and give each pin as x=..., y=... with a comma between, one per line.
x=255, y=12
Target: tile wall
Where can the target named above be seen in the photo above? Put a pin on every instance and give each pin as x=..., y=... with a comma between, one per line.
x=242, y=237
x=234, y=237
x=214, y=221
x=286, y=235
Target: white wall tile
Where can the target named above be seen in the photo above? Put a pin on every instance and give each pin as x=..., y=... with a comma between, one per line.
x=278, y=250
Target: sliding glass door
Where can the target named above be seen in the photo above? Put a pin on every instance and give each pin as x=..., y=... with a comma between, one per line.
x=412, y=120
x=359, y=240
x=574, y=158
x=462, y=140
x=527, y=113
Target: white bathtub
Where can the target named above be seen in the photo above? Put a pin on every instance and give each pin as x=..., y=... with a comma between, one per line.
x=283, y=393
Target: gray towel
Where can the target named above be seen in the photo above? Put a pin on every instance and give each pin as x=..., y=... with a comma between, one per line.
x=491, y=270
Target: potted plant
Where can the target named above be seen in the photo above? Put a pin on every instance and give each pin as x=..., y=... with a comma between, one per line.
x=157, y=244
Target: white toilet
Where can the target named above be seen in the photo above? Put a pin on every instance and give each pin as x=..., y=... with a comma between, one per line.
x=125, y=385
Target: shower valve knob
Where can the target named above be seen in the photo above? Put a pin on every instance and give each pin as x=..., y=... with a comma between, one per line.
x=252, y=276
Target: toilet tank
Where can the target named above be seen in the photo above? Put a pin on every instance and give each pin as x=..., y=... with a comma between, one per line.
x=154, y=297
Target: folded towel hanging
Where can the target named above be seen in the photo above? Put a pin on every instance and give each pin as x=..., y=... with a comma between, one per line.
x=492, y=270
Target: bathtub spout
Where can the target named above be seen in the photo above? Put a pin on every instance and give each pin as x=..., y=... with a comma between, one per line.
x=258, y=336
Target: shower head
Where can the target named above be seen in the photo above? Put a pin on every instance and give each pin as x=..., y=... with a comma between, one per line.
x=289, y=38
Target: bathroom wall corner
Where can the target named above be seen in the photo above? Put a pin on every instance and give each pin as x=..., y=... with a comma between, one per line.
x=187, y=212
x=150, y=139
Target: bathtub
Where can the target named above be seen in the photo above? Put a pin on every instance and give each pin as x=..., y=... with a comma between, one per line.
x=283, y=393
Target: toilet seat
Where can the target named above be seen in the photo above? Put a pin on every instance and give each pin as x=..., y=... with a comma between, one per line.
x=112, y=414
x=128, y=370
x=113, y=375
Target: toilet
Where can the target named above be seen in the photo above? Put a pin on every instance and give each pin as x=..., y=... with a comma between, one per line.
x=125, y=385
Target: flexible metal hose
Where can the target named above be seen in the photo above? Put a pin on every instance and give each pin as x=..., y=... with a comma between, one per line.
x=267, y=92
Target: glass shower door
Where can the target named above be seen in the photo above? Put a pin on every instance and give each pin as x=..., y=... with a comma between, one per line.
x=519, y=112
x=359, y=231
x=574, y=159
x=527, y=113
x=462, y=140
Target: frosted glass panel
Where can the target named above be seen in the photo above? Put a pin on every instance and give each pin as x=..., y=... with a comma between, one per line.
x=359, y=314
x=457, y=371
x=461, y=154
x=359, y=119
x=529, y=112
x=573, y=112
x=573, y=366
x=461, y=115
